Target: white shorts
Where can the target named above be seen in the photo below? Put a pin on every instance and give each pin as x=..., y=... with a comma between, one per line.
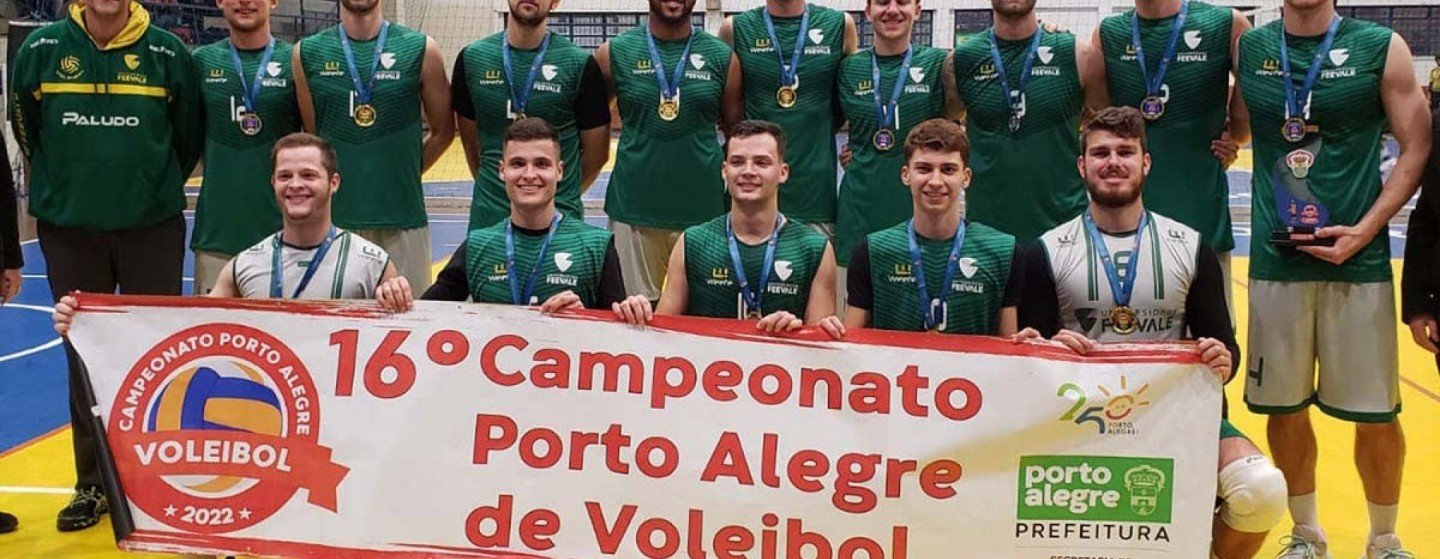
x=208, y=266
x=1348, y=327
x=644, y=256
x=409, y=251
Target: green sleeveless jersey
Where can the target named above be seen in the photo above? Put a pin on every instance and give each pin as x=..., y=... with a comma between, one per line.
x=1345, y=175
x=572, y=263
x=552, y=98
x=871, y=194
x=379, y=164
x=1025, y=181
x=713, y=285
x=973, y=300
x=809, y=125
x=667, y=173
x=237, y=205
x=1186, y=182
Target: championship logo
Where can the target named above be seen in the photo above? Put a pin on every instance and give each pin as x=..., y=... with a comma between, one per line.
x=216, y=429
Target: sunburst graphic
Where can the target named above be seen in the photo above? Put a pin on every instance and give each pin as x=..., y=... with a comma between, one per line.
x=1123, y=403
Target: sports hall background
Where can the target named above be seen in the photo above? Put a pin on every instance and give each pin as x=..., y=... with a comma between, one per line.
x=35, y=464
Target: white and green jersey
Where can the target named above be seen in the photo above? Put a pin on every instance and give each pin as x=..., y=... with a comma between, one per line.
x=351, y=269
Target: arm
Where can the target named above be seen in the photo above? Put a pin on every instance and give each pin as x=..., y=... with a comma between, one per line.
x=733, y=103
x=302, y=90
x=225, y=287
x=24, y=100
x=464, y=107
x=1206, y=315
x=435, y=97
x=1239, y=117
x=602, y=59
x=727, y=31
x=822, y=289
x=852, y=35
x=186, y=121
x=592, y=118
x=612, y=281
x=1090, y=59
x=1417, y=284
x=1039, y=306
x=1014, y=293
x=10, y=258
x=452, y=283
x=861, y=294
x=954, y=105
x=676, y=291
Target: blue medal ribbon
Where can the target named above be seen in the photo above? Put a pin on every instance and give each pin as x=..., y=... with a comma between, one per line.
x=363, y=92
x=519, y=100
x=251, y=91
x=277, y=272
x=669, y=88
x=1120, y=287
x=885, y=112
x=1153, y=84
x=789, y=73
x=1293, y=98
x=931, y=305
x=516, y=296
x=1015, y=97
x=753, y=298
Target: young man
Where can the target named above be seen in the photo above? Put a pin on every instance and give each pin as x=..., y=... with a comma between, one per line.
x=788, y=53
x=1024, y=89
x=539, y=256
x=106, y=109
x=667, y=78
x=526, y=70
x=1162, y=283
x=1320, y=90
x=249, y=103
x=364, y=86
x=1178, y=75
x=936, y=271
x=754, y=263
x=909, y=90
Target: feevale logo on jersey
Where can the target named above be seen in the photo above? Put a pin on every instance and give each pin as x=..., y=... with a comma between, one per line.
x=132, y=63
x=386, y=71
x=563, y=262
x=548, y=73
x=917, y=79
x=968, y=267
x=1193, y=41
x=816, y=48
x=698, y=69
x=1338, y=58
x=783, y=270
x=272, y=76
x=1044, y=55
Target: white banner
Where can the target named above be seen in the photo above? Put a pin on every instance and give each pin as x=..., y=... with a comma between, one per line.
x=458, y=430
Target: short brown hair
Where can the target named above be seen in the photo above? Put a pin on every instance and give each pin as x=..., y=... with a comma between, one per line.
x=530, y=129
x=296, y=140
x=748, y=128
x=1125, y=122
x=937, y=134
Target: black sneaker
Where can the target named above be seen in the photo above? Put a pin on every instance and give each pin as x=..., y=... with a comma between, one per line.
x=83, y=511
x=8, y=523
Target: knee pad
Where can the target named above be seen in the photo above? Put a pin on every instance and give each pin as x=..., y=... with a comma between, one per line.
x=1255, y=494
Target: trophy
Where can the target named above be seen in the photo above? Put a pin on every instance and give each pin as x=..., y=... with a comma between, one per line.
x=1301, y=213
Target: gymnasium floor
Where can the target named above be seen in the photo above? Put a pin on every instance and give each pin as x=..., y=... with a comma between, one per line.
x=36, y=470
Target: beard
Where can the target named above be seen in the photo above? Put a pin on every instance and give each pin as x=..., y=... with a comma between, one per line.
x=360, y=6
x=1013, y=8
x=529, y=19
x=1115, y=198
x=657, y=11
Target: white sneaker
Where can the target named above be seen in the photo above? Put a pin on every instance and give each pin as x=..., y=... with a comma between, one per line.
x=1304, y=542
x=1386, y=546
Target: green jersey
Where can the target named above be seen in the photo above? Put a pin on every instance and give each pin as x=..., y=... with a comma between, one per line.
x=1345, y=174
x=1186, y=182
x=809, y=125
x=972, y=301
x=667, y=173
x=871, y=194
x=1025, y=181
x=713, y=283
x=552, y=97
x=379, y=164
x=572, y=262
x=237, y=205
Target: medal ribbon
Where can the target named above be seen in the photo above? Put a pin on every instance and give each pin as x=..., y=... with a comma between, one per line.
x=1153, y=84
x=519, y=100
x=752, y=298
x=1014, y=96
x=885, y=112
x=930, y=305
x=363, y=92
x=1293, y=99
x=516, y=296
x=788, y=72
x=1120, y=287
x=669, y=88
x=277, y=272
x=251, y=91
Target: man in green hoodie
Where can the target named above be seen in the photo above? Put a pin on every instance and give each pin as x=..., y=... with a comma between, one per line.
x=106, y=109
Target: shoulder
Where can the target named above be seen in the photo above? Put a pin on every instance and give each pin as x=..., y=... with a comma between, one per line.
x=1064, y=235
x=699, y=230
x=484, y=43
x=859, y=58
x=162, y=41
x=804, y=234
x=1367, y=31
x=708, y=40
x=898, y=232
x=216, y=48
x=589, y=234
x=365, y=249
x=974, y=46
x=1261, y=33
x=322, y=36
x=262, y=247
x=1062, y=39
x=484, y=235
x=1119, y=21
x=988, y=236
x=930, y=55
x=1171, y=231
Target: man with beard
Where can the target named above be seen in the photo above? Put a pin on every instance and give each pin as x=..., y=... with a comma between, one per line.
x=106, y=109
x=249, y=103
x=1172, y=59
x=975, y=270
x=883, y=92
x=788, y=53
x=792, y=266
x=1163, y=284
x=523, y=71
x=1024, y=89
x=1320, y=90
x=363, y=86
x=667, y=77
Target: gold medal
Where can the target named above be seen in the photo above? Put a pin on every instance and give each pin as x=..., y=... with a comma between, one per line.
x=785, y=96
x=365, y=115
x=753, y=315
x=1122, y=320
x=669, y=108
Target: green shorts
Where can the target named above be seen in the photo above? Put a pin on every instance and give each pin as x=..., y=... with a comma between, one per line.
x=1228, y=430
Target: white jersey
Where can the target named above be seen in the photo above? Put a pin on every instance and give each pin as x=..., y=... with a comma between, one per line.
x=1169, y=252
x=352, y=269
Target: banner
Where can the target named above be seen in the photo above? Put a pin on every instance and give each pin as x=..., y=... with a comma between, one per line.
x=461, y=430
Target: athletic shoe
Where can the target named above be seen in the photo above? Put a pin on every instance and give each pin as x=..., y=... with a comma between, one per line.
x=1386, y=546
x=1304, y=542
x=8, y=523
x=84, y=510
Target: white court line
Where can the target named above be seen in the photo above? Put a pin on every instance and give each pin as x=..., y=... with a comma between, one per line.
x=36, y=490
x=36, y=349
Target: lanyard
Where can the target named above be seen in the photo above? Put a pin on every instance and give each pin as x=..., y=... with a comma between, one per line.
x=516, y=296
x=1120, y=287
x=930, y=306
x=277, y=272
x=1014, y=96
x=362, y=91
x=519, y=100
x=1293, y=99
x=251, y=91
x=885, y=112
x=1154, y=84
x=752, y=298
x=788, y=72
x=669, y=88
